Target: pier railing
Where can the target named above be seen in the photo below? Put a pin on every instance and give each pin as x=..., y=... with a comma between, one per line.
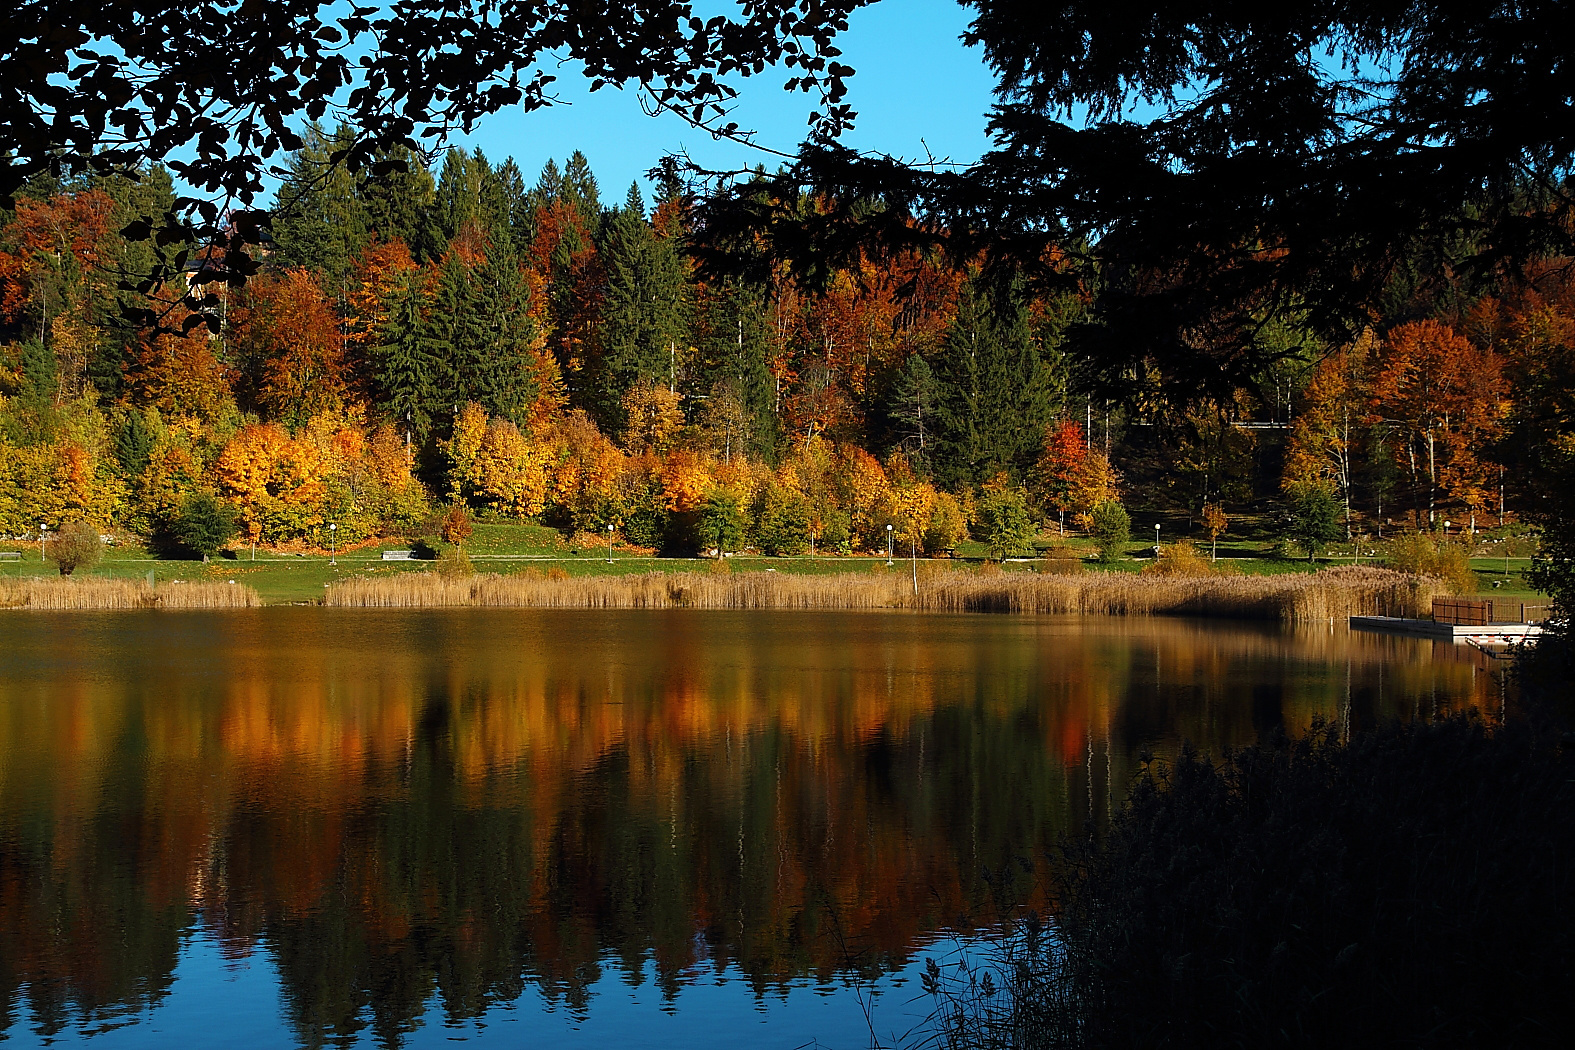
x=1482, y=612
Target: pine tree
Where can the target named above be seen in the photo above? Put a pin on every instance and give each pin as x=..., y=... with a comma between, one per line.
x=411, y=367
x=319, y=223
x=733, y=350
x=994, y=392
x=399, y=203
x=645, y=315
x=912, y=406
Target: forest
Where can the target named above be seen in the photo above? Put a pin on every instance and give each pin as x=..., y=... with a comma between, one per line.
x=418, y=339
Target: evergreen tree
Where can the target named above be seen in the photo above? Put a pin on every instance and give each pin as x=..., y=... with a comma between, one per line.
x=911, y=408
x=448, y=330
x=495, y=348
x=412, y=368
x=504, y=204
x=734, y=349
x=645, y=314
x=461, y=189
x=319, y=222
x=399, y=203
x=579, y=191
x=133, y=443
x=995, y=392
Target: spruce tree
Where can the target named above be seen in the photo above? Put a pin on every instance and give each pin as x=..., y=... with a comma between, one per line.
x=398, y=203
x=496, y=344
x=448, y=330
x=461, y=189
x=734, y=349
x=994, y=391
x=411, y=363
x=319, y=222
x=911, y=408
x=645, y=312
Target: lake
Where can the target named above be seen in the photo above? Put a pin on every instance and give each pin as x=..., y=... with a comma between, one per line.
x=301, y=826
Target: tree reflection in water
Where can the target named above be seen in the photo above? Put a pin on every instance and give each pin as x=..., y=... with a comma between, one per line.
x=456, y=806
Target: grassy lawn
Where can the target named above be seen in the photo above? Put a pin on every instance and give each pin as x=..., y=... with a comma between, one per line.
x=509, y=547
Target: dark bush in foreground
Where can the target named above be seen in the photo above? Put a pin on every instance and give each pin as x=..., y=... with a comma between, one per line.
x=1412, y=888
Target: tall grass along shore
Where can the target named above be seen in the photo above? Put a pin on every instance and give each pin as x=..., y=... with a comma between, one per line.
x=1336, y=592
x=89, y=594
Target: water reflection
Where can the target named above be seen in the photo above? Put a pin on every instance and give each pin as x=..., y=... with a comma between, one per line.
x=405, y=811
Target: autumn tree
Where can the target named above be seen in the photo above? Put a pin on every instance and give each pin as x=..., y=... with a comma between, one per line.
x=75, y=545
x=653, y=416
x=1214, y=523
x=293, y=348
x=1443, y=397
x=1328, y=430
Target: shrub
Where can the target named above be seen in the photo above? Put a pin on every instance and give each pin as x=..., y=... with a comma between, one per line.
x=454, y=563
x=1427, y=555
x=782, y=522
x=454, y=525
x=836, y=532
x=204, y=524
x=946, y=527
x=1179, y=559
x=1111, y=527
x=645, y=527
x=721, y=523
x=1312, y=516
x=75, y=546
x=1004, y=525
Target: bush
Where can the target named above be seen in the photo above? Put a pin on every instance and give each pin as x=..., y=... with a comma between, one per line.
x=946, y=527
x=721, y=523
x=836, y=532
x=782, y=522
x=1411, y=888
x=204, y=524
x=1111, y=528
x=1312, y=517
x=1428, y=555
x=454, y=563
x=454, y=525
x=1179, y=559
x=75, y=546
x=645, y=527
x=1004, y=524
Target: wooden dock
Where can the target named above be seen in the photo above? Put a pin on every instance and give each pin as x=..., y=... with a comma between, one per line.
x=1448, y=632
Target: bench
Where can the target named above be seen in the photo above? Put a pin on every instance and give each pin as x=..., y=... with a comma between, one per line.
x=10, y=555
x=399, y=555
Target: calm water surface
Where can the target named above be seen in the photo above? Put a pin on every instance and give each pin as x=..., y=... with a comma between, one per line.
x=310, y=827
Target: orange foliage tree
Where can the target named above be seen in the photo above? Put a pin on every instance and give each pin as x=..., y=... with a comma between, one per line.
x=1444, y=398
x=295, y=348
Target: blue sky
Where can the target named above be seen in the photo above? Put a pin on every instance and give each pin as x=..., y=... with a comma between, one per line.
x=916, y=86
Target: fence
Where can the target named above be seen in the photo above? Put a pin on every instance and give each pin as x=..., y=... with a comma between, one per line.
x=1481, y=612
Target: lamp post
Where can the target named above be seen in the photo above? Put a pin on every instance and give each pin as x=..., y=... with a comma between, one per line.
x=913, y=550
x=333, y=544
x=1156, y=539
x=42, y=540
x=890, y=550
x=609, y=542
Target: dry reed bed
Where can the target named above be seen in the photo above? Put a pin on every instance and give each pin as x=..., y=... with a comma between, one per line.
x=100, y=593
x=1337, y=592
